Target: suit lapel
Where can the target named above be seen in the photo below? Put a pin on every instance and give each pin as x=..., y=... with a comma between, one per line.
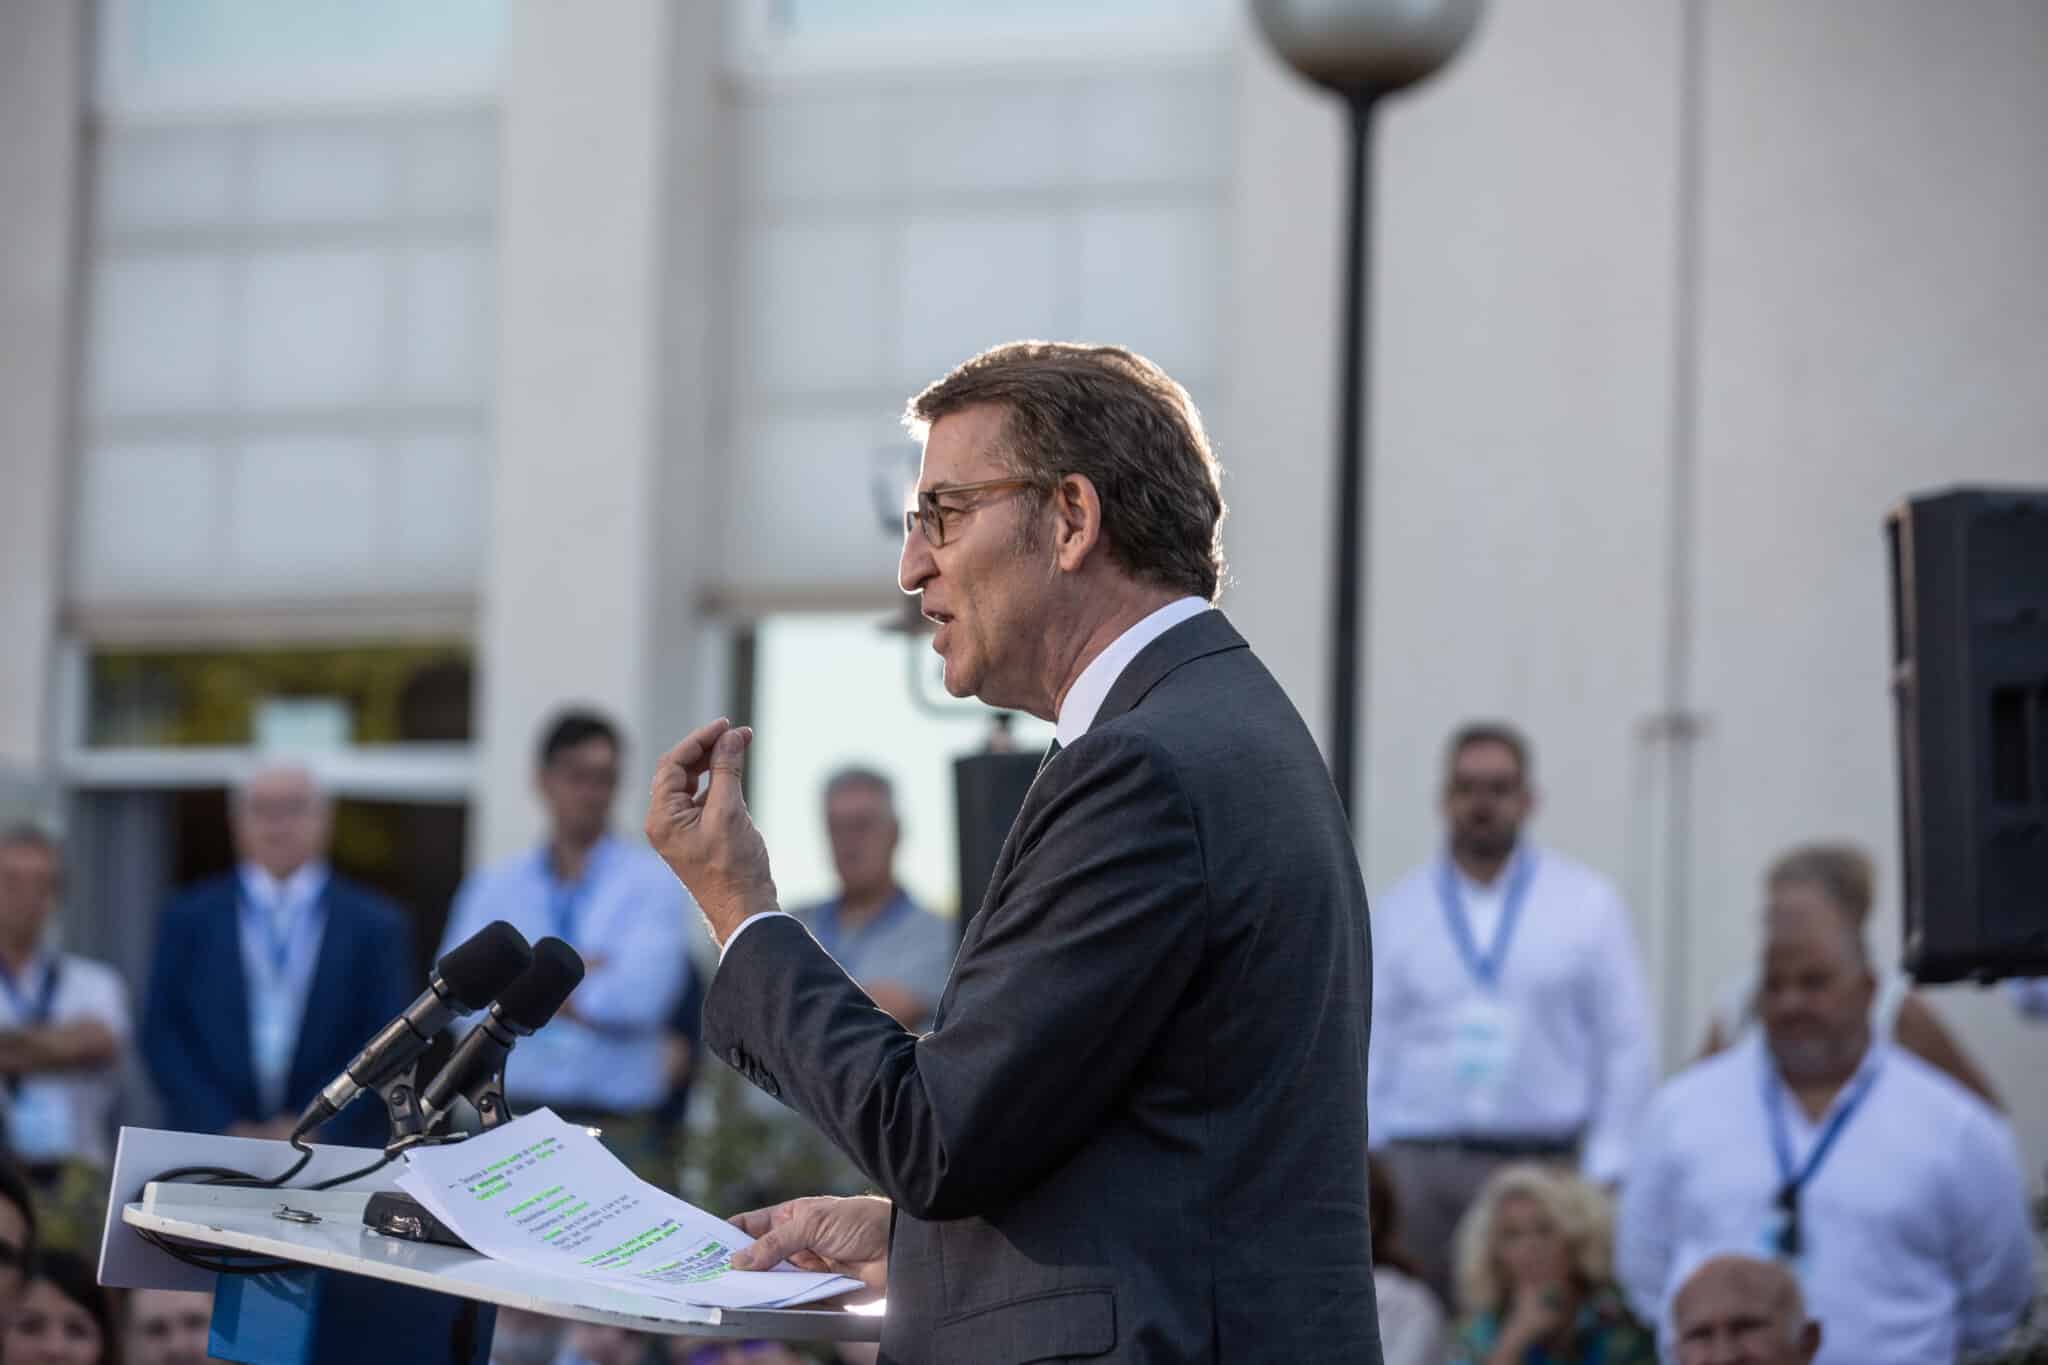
x=1195, y=638
x=321, y=1015
x=238, y=1058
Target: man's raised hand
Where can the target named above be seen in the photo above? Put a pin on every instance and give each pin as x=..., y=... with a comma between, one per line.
x=702, y=830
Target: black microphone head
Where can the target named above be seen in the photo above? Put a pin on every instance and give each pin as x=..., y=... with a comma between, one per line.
x=539, y=991
x=476, y=971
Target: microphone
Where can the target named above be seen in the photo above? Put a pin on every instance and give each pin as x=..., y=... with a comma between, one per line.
x=466, y=979
x=476, y=1069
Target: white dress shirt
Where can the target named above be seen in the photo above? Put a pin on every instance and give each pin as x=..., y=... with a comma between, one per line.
x=1914, y=1238
x=51, y=1115
x=1557, y=1047
x=1077, y=710
x=281, y=924
x=627, y=917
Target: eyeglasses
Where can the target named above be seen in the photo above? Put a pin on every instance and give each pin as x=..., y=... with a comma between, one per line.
x=930, y=518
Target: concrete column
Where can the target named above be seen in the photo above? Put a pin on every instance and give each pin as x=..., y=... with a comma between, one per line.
x=42, y=94
x=590, y=581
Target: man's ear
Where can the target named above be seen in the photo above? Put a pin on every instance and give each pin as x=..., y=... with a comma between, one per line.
x=1077, y=520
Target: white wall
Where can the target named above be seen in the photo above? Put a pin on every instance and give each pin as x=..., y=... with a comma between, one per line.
x=1873, y=320
x=42, y=65
x=1875, y=325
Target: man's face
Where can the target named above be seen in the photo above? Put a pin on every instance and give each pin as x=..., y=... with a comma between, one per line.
x=577, y=786
x=28, y=890
x=280, y=822
x=989, y=592
x=862, y=829
x=1741, y=1313
x=1486, y=799
x=1815, y=998
x=168, y=1327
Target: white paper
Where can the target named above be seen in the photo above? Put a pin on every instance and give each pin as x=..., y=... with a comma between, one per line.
x=545, y=1194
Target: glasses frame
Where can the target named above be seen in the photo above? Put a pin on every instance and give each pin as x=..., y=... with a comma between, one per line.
x=929, y=519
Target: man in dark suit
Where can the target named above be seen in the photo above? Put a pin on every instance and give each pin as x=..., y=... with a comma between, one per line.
x=267, y=981
x=1136, y=1129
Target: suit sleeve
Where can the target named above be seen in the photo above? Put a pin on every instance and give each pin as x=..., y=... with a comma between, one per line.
x=1053, y=1005
x=193, y=1098
x=382, y=987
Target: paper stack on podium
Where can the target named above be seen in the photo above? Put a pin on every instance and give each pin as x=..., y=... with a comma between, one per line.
x=545, y=1195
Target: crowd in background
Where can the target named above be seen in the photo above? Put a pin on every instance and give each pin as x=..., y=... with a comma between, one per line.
x=1537, y=1196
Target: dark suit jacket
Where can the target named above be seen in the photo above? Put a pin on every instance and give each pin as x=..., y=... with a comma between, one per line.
x=1137, y=1127
x=195, y=1032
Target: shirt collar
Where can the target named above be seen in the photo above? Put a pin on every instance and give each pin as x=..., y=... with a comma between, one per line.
x=544, y=859
x=1091, y=689
x=277, y=898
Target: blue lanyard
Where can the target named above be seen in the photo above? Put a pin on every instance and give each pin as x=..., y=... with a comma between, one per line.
x=1485, y=968
x=1781, y=1144
x=566, y=900
x=37, y=1015
x=276, y=946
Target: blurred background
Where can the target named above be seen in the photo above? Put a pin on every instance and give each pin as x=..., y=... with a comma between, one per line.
x=381, y=375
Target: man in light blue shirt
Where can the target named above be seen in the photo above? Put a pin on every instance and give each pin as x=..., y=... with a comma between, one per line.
x=600, y=1062
x=898, y=952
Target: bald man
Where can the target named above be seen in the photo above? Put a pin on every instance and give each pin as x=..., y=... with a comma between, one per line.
x=1738, y=1310
x=268, y=979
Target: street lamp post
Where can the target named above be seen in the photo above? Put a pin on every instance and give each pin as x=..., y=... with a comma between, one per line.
x=1362, y=50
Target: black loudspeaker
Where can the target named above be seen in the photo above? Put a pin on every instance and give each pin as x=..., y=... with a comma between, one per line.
x=1970, y=680
x=988, y=791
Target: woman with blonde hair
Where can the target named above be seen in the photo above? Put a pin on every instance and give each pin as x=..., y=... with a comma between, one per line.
x=1842, y=877
x=1535, y=1277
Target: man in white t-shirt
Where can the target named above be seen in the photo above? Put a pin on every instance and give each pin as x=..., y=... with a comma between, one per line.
x=64, y=1021
x=1508, y=1014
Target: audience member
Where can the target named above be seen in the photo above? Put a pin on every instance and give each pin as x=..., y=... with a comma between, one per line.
x=1844, y=876
x=1893, y=1193
x=168, y=1327
x=523, y=1338
x=899, y=952
x=64, y=1317
x=1411, y=1320
x=679, y=1044
x=266, y=981
x=1535, y=1285
x=703, y=1351
x=64, y=1030
x=1508, y=1018
x=600, y=1062
x=17, y=1239
x=1738, y=1310
x=588, y=1343
x=2030, y=997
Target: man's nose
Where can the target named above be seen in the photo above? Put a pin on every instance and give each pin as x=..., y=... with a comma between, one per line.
x=916, y=566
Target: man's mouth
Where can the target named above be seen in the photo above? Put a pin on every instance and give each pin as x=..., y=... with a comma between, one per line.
x=937, y=618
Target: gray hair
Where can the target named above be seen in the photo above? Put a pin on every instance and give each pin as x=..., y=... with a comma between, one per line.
x=855, y=775
x=238, y=795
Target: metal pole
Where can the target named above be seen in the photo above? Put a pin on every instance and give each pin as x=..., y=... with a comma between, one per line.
x=1346, y=631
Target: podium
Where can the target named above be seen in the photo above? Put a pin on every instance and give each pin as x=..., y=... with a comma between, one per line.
x=350, y=1293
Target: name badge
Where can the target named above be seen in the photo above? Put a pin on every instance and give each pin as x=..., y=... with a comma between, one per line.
x=39, y=1124
x=1483, y=1046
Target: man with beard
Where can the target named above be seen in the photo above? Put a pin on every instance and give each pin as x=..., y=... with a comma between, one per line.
x=1893, y=1193
x=1508, y=1014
